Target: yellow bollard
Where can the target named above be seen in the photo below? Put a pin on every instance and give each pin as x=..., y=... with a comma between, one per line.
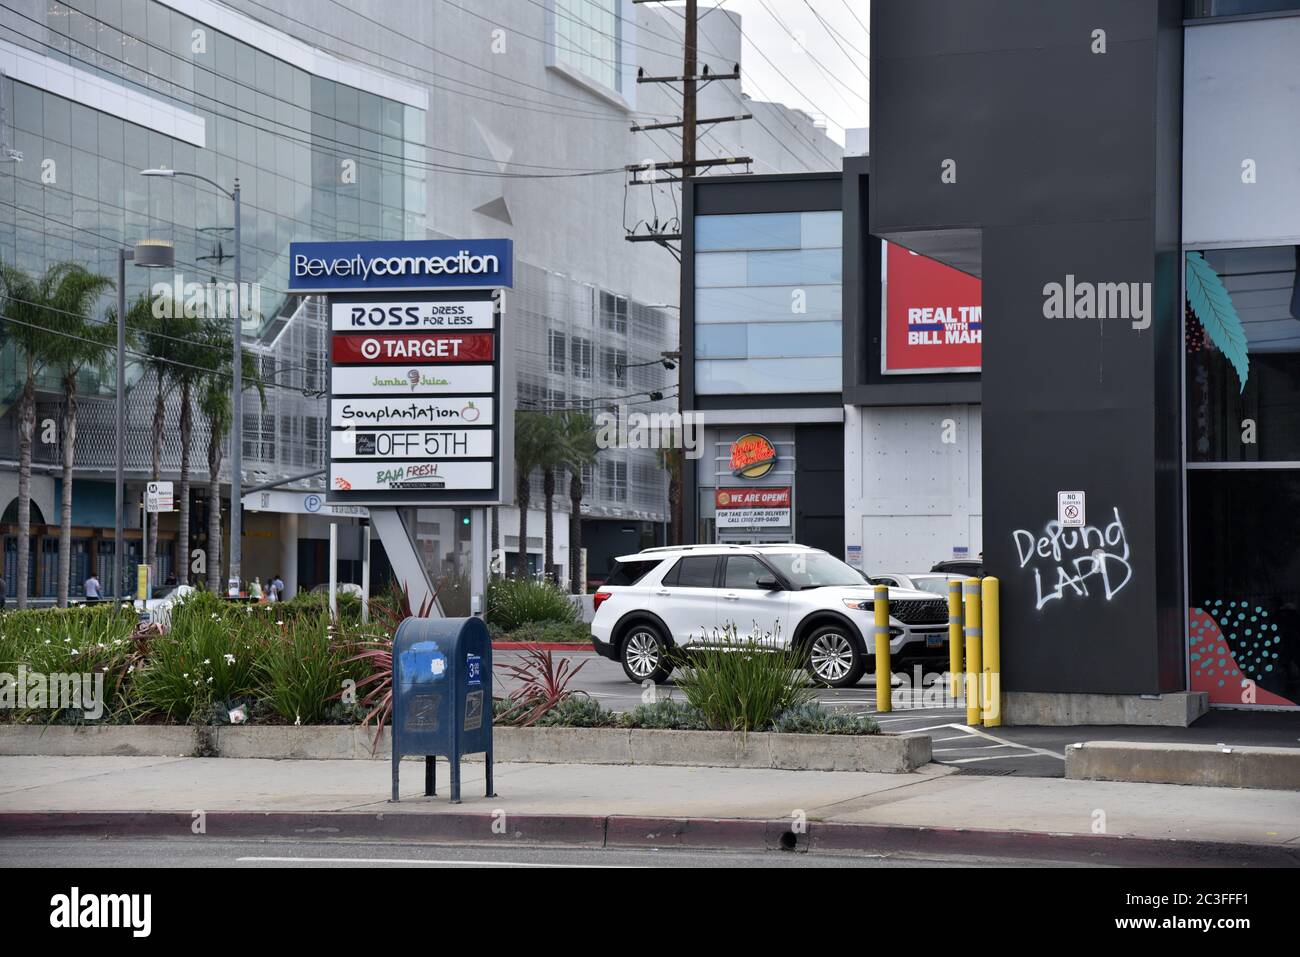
x=884, y=687
x=974, y=641
x=954, y=639
x=991, y=690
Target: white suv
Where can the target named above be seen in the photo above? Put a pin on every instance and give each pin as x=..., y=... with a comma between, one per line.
x=666, y=598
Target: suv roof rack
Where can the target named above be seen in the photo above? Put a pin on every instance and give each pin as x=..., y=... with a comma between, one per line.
x=687, y=548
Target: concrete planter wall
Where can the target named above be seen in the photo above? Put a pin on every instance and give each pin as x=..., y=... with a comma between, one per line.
x=790, y=752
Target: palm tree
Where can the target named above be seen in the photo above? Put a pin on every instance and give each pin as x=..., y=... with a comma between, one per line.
x=70, y=356
x=670, y=461
x=530, y=443
x=578, y=439
x=48, y=323
x=551, y=460
x=215, y=404
x=176, y=354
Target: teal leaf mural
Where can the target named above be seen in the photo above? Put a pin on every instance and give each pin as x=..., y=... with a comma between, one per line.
x=1213, y=308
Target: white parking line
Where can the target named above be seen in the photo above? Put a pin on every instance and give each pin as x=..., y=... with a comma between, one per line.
x=984, y=747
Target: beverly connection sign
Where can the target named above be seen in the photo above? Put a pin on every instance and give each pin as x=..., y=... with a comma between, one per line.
x=415, y=366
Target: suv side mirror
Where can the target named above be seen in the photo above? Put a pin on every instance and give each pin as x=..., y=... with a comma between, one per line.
x=768, y=584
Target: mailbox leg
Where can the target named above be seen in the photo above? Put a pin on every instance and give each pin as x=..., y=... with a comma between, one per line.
x=455, y=778
x=396, y=764
x=430, y=775
x=487, y=764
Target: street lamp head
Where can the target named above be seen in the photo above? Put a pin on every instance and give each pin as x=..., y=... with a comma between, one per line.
x=155, y=253
x=158, y=172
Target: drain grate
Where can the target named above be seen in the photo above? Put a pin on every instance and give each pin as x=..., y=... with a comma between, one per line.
x=986, y=772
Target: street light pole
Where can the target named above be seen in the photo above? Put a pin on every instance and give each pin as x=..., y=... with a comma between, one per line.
x=119, y=482
x=237, y=399
x=150, y=253
x=237, y=422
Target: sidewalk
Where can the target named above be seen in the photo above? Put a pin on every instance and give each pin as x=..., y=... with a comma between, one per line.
x=585, y=804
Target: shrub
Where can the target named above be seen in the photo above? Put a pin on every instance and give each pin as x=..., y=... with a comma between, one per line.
x=812, y=718
x=71, y=641
x=578, y=711
x=208, y=657
x=512, y=602
x=300, y=670
x=543, y=684
x=666, y=714
x=573, y=633
x=742, y=684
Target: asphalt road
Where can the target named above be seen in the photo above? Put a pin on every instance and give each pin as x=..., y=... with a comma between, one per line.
x=1029, y=750
x=72, y=852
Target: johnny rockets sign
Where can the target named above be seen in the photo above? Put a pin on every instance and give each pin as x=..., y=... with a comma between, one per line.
x=932, y=316
x=415, y=378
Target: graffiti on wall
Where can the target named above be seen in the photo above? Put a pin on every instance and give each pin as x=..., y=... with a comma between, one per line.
x=1081, y=562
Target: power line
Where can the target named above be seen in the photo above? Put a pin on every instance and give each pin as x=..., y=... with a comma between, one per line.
x=849, y=7
x=835, y=35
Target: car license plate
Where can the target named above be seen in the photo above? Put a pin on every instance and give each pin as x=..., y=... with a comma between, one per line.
x=935, y=640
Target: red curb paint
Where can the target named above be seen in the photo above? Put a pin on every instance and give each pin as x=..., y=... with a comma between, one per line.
x=633, y=831
x=540, y=646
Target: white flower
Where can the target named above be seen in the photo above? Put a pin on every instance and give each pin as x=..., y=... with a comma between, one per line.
x=185, y=675
x=47, y=641
x=130, y=669
x=38, y=631
x=230, y=659
x=297, y=719
x=209, y=679
x=66, y=640
x=207, y=661
x=279, y=623
x=75, y=652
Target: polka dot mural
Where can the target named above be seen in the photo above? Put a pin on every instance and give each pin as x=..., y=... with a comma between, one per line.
x=1234, y=653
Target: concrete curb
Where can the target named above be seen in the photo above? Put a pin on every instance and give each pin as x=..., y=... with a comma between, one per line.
x=645, y=832
x=895, y=754
x=1206, y=765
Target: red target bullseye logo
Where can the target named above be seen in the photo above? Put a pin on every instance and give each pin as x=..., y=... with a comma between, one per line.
x=370, y=349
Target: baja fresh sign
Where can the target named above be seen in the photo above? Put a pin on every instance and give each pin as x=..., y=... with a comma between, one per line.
x=415, y=378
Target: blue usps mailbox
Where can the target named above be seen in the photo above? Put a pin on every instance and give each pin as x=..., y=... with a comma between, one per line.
x=442, y=695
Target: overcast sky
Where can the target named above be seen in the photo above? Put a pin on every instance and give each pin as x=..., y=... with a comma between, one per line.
x=824, y=64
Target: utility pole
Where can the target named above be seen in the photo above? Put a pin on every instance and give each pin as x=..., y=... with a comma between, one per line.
x=691, y=79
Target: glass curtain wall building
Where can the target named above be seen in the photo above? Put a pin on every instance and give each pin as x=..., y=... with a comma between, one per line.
x=93, y=93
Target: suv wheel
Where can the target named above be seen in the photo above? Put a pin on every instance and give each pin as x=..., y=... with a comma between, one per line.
x=835, y=659
x=645, y=654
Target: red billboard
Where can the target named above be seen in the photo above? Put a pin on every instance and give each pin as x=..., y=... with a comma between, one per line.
x=433, y=347
x=932, y=316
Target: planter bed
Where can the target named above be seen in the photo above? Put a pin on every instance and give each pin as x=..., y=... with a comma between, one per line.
x=790, y=752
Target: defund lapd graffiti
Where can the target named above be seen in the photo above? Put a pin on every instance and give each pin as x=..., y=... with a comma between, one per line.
x=1087, y=562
